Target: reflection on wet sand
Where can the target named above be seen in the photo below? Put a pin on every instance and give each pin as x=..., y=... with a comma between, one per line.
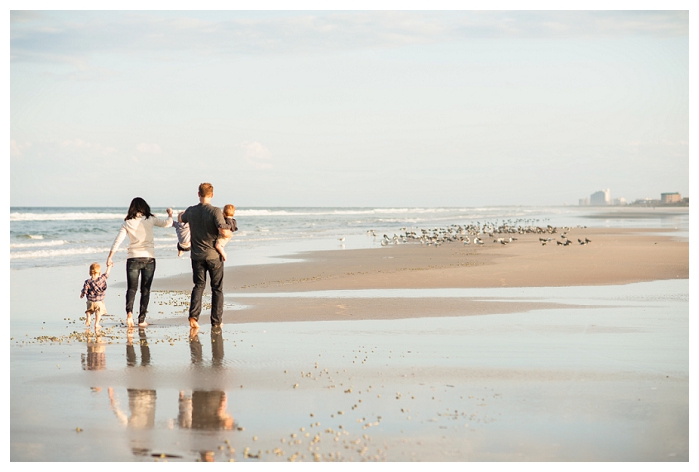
x=141, y=415
x=199, y=410
x=141, y=408
x=143, y=345
x=95, y=359
x=205, y=409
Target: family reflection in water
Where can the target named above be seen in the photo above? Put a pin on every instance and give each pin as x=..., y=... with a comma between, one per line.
x=203, y=410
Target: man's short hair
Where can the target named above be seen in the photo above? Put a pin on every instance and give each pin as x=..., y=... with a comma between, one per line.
x=229, y=210
x=206, y=190
x=95, y=268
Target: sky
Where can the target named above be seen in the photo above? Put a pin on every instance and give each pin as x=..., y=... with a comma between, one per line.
x=347, y=108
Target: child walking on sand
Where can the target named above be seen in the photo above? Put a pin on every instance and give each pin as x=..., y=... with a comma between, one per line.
x=231, y=224
x=94, y=289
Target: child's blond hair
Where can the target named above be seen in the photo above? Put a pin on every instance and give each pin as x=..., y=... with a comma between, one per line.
x=95, y=268
x=229, y=210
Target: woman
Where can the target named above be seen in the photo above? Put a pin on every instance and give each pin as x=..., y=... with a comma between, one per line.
x=140, y=262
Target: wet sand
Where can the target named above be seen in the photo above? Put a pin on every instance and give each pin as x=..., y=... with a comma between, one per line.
x=520, y=352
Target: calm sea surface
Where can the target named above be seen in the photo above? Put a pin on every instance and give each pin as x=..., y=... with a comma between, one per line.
x=56, y=237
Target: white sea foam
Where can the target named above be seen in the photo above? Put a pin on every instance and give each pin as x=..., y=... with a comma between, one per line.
x=54, y=253
x=72, y=216
x=59, y=242
x=167, y=238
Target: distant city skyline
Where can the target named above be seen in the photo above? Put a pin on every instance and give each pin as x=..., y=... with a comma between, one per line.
x=604, y=198
x=347, y=108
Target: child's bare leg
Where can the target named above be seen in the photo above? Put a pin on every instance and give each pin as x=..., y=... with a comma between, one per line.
x=87, y=318
x=129, y=320
x=219, y=249
x=98, y=316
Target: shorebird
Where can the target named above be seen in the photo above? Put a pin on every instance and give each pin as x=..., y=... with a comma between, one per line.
x=341, y=239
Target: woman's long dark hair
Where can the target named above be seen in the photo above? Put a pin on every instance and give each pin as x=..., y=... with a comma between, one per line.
x=138, y=205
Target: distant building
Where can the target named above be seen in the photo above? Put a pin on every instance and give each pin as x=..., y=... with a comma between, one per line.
x=620, y=201
x=584, y=201
x=646, y=202
x=670, y=197
x=600, y=198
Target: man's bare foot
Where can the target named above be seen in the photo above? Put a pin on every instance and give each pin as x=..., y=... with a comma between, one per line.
x=179, y=253
x=193, y=323
x=129, y=320
x=193, y=332
x=143, y=324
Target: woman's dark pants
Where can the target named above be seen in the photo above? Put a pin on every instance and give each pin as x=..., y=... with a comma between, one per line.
x=143, y=267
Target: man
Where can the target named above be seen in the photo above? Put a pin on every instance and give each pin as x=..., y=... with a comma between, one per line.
x=205, y=222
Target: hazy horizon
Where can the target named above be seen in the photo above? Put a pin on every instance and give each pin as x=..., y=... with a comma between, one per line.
x=347, y=108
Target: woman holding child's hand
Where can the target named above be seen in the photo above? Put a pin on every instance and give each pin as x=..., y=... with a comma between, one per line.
x=140, y=262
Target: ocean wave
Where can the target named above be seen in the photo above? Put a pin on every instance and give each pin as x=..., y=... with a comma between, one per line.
x=368, y=211
x=53, y=253
x=71, y=216
x=59, y=242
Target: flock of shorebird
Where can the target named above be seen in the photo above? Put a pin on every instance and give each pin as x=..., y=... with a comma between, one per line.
x=476, y=234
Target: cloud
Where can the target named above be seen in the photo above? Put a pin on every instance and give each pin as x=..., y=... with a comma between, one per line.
x=74, y=37
x=148, y=148
x=256, y=154
x=76, y=143
x=17, y=148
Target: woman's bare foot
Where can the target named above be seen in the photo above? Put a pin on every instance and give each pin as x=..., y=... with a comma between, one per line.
x=129, y=320
x=143, y=324
x=193, y=323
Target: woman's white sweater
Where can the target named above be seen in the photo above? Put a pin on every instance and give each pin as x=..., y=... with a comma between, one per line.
x=140, y=232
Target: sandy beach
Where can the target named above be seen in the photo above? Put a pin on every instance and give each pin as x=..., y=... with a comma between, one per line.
x=499, y=352
x=614, y=256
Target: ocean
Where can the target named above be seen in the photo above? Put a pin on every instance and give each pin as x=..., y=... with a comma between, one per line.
x=72, y=236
